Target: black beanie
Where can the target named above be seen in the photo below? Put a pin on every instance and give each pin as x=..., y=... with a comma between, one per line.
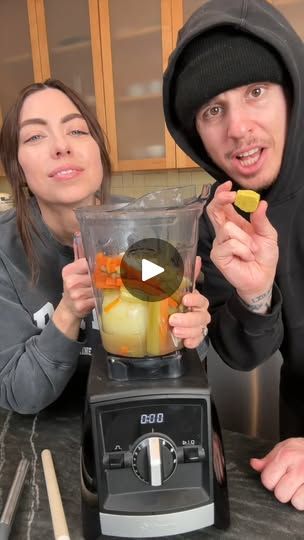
x=217, y=61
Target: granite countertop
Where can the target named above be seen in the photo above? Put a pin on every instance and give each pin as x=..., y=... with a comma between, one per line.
x=254, y=511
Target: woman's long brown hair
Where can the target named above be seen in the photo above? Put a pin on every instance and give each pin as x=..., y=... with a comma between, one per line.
x=9, y=143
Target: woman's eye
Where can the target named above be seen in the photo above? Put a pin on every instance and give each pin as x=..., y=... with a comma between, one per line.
x=33, y=138
x=79, y=132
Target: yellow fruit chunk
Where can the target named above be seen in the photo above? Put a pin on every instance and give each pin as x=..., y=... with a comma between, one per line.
x=247, y=200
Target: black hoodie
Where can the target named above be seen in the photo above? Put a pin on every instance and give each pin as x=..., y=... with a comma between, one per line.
x=244, y=339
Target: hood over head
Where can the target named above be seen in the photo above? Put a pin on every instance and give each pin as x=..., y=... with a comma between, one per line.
x=231, y=43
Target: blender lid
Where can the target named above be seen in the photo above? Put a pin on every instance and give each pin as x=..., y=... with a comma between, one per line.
x=175, y=197
x=168, y=198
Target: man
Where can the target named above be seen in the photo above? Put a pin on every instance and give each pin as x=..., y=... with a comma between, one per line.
x=233, y=101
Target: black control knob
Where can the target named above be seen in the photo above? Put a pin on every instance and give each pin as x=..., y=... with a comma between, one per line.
x=154, y=459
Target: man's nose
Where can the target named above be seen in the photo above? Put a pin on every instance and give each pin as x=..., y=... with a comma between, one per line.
x=239, y=123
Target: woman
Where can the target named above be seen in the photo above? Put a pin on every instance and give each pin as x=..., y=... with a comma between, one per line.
x=52, y=147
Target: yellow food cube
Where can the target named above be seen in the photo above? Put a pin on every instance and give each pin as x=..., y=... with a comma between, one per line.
x=247, y=200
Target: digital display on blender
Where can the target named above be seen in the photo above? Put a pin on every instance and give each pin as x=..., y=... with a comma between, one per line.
x=123, y=426
x=152, y=418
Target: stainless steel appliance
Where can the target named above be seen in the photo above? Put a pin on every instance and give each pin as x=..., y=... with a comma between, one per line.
x=254, y=409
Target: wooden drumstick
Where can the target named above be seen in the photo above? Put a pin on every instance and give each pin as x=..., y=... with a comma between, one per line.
x=60, y=527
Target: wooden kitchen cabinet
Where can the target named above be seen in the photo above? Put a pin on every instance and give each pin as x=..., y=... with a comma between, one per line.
x=17, y=62
x=136, y=37
x=70, y=48
x=181, y=11
x=70, y=45
x=136, y=48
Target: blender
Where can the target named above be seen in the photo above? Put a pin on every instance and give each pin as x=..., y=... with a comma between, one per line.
x=152, y=461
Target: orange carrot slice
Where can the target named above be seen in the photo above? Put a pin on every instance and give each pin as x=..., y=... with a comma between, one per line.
x=101, y=259
x=111, y=305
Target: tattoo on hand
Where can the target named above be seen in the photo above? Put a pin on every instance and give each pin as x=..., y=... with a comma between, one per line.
x=261, y=304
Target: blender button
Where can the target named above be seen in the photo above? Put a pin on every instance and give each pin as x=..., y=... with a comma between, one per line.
x=116, y=460
x=192, y=454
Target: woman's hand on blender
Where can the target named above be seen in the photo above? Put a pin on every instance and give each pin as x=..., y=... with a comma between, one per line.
x=191, y=326
x=77, y=285
x=78, y=298
x=77, y=288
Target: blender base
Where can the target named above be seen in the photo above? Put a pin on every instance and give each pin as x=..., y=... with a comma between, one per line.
x=120, y=497
x=170, y=366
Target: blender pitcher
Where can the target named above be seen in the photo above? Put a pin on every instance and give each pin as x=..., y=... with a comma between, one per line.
x=141, y=258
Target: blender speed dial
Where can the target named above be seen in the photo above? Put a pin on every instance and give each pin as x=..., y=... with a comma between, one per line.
x=154, y=459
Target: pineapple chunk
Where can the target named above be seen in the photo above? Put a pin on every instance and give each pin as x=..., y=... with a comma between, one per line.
x=247, y=200
x=129, y=316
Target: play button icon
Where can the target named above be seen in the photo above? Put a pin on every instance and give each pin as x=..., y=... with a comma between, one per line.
x=152, y=269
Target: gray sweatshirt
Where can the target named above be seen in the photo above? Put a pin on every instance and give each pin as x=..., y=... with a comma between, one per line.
x=36, y=359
